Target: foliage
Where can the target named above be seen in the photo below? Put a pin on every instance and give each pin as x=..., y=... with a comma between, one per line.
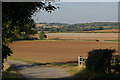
x=100, y=28
x=104, y=77
x=6, y=51
x=116, y=66
x=99, y=60
x=42, y=35
x=17, y=20
x=61, y=27
x=11, y=74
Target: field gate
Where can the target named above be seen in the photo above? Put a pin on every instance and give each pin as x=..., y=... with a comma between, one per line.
x=81, y=61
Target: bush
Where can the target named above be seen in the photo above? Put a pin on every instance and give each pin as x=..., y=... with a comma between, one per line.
x=42, y=35
x=99, y=60
x=104, y=77
x=6, y=51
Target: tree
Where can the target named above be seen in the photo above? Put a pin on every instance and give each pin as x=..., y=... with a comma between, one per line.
x=100, y=28
x=17, y=18
x=42, y=35
x=99, y=60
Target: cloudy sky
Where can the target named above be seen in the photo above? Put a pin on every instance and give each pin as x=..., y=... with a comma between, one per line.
x=81, y=12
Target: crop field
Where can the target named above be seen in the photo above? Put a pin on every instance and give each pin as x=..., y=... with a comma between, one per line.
x=56, y=51
x=108, y=30
x=84, y=36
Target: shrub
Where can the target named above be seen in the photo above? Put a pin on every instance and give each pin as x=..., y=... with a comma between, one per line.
x=42, y=35
x=6, y=51
x=99, y=60
x=104, y=77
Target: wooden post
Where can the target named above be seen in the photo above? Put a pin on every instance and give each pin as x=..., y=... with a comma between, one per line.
x=83, y=61
x=79, y=60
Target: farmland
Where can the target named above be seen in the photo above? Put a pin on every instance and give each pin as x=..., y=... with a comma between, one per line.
x=56, y=51
x=84, y=36
x=107, y=30
x=80, y=27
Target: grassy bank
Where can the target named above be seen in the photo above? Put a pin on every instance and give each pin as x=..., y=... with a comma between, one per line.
x=60, y=64
x=26, y=61
x=69, y=39
x=11, y=73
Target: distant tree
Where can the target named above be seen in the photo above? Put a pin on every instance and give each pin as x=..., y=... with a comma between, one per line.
x=45, y=36
x=100, y=28
x=42, y=35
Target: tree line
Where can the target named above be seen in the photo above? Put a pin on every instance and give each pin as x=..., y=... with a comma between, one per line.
x=61, y=27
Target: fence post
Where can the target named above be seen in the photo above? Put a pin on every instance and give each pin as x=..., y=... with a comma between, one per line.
x=83, y=61
x=79, y=60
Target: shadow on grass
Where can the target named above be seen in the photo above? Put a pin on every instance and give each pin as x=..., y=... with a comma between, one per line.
x=11, y=74
x=67, y=63
x=88, y=75
x=34, y=63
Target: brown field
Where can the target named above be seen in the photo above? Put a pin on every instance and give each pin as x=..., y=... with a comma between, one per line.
x=108, y=30
x=84, y=36
x=56, y=51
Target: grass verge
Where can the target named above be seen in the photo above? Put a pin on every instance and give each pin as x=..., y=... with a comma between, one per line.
x=27, y=61
x=40, y=63
x=10, y=73
x=113, y=40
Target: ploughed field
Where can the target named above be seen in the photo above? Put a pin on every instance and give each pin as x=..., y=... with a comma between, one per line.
x=56, y=51
x=83, y=36
x=108, y=30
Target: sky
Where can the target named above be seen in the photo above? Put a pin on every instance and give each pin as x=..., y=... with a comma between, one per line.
x=80, y=12
x=89, y=0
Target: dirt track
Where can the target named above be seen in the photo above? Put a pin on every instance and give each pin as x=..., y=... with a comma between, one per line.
x=33, y=72
x=56, y=51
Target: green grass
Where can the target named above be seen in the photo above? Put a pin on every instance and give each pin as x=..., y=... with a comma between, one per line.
x=113, y=40
x=76, y=69
x=10, y=73
x=40, y=63
x=64, y=65
x=27, y=61
x=69, y=40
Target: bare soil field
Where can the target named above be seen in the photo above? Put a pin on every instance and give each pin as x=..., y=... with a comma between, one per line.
x=84, y=36
x=108, y=30
x=56, y=51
